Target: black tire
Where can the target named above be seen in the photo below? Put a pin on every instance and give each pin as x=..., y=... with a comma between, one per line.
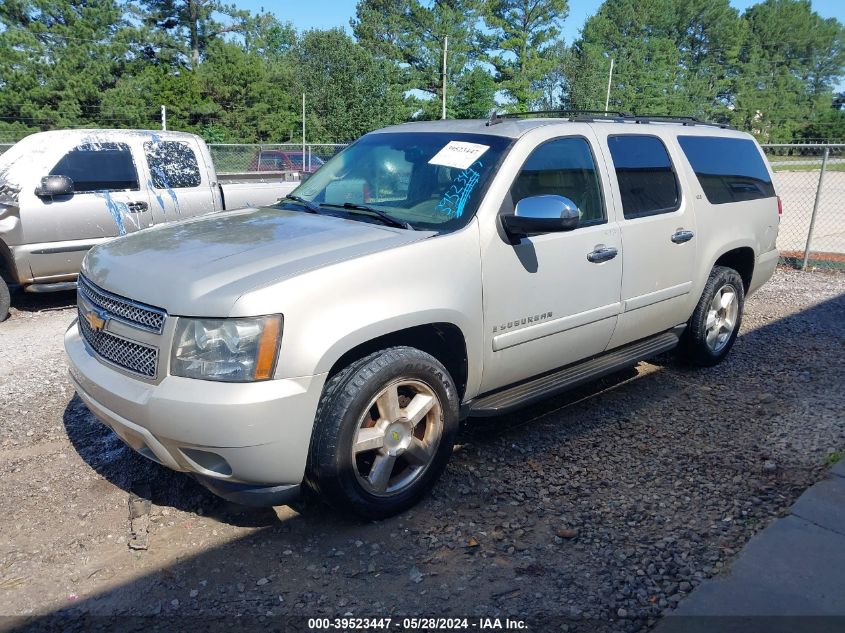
x=332, y=470
x=5, y=300
x=694, y=344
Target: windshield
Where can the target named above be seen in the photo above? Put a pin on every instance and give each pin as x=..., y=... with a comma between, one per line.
x=432, y=181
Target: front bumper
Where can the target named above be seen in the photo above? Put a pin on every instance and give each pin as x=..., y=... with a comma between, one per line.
x=247, y=442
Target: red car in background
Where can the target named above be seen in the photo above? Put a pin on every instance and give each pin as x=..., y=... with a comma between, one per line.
x=282, y=160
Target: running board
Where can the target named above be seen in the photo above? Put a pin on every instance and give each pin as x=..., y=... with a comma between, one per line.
x=537, y=389
x=60, y=286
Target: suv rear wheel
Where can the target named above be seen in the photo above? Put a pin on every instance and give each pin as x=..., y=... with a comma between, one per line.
x=715, y=323
x=384, y=431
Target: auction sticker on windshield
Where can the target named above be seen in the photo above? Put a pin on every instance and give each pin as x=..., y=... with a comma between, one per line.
x=458, y=154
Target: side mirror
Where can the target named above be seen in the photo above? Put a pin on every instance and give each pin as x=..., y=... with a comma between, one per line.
x=541, y=214
x=54, y=186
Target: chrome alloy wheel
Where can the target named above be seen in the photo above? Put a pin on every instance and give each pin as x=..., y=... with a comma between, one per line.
x=397, y=437
x=721, y=318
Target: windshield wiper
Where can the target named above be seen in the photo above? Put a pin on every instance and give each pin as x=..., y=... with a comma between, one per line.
x=384, y=217
x=309, y=206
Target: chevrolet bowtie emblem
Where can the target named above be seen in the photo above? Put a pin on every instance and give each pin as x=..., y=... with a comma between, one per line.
x=96, y=319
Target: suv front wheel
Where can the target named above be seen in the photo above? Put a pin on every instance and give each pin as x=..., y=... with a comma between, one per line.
x=384, y=431
x=714, y=325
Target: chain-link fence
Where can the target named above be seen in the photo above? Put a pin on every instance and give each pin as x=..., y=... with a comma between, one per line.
x=239, y=158
x=810, y=180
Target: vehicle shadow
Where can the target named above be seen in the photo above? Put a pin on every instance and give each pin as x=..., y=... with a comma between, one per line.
x=109, y=457
x=43, y=301
x=309, y=562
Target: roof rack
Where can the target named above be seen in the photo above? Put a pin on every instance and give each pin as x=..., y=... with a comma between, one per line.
x=604, y=115
x=496, y=118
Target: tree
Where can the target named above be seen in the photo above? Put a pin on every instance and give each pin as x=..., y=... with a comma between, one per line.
x=57, y=57
x=637, y=34
x=791, y=60
x=411, y=35
x=523, y=33
x=192, y=24
x=348, y=91
x=555, y=86
x=475, y=95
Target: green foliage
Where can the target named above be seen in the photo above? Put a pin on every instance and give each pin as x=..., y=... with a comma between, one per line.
x=235, y=76
x=411, y=35
x=57, y=57
x=770, y=71
x=348, y=91
x=524, y=32
x=790, y=61
x=475, y=96
x=673, y=57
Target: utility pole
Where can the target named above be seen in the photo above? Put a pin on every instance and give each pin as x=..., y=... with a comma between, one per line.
x=163, y=118
x=445, y=49
x=303, y=130
x=609, y=81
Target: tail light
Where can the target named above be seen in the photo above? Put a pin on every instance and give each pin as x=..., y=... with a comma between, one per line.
x=780, y=207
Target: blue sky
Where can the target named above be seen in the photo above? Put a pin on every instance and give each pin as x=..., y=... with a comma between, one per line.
x=330, y=13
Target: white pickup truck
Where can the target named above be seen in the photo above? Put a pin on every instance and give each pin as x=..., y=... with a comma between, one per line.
x=62, y=192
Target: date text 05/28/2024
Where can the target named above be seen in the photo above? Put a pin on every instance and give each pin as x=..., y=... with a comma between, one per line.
x=415, y=624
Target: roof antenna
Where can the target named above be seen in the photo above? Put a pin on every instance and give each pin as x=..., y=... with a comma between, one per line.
x=494, y=119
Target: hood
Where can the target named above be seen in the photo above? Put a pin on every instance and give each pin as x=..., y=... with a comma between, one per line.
x=200, y=267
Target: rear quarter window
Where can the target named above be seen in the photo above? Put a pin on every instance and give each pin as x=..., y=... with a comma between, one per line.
x=728, y=169
x=173, y=165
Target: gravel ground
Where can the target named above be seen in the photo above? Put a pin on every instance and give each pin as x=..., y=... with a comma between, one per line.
x=594, y=511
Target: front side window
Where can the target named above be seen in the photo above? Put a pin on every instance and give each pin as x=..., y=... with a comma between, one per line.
x=431, y=180
x=173, y=165
x=729, y=169
x=647, y=182
x=563, y=167
x=99, y=167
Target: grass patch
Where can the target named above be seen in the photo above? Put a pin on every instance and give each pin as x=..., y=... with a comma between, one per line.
x=832, y=458
x=830, y=167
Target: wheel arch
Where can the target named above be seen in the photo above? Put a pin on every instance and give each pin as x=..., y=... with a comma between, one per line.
x=8, y=270
x=742, y=260
x=443, y=340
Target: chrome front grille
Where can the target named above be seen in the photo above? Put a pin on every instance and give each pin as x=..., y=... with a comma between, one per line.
x=130, y=355
x=119, y=308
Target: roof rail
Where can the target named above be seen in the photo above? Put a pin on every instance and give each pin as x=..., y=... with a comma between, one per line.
x=495, y=117
x=683, y=120
x=606, y=115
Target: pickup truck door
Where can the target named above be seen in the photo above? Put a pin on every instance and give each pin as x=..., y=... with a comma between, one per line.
x=179, y=187
x=108, y=201
x=658, y=234
x=545, y=303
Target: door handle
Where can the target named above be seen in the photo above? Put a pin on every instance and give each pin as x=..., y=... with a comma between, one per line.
x=137, y=207
x=602, y=254
x=682, y=235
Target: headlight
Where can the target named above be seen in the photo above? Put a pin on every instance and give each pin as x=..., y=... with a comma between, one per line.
x=229, y=350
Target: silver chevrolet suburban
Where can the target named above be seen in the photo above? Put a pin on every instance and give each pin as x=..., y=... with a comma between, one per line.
x=64, y=191
x=429, y=272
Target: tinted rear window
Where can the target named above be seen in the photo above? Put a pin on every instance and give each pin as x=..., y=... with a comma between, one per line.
x=647, y=182
x=729, y=169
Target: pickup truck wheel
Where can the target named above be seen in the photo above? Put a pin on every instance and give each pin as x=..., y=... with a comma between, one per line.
x=384, y=431
x=5, y=300
x=715, y=323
